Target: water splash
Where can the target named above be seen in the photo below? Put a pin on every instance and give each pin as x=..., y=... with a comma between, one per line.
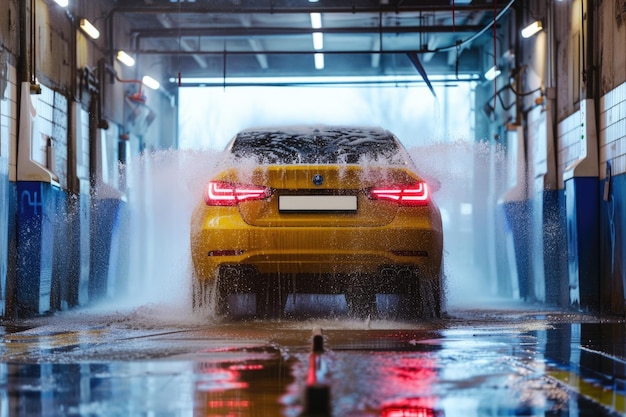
x=472, y=178
x=164, y=186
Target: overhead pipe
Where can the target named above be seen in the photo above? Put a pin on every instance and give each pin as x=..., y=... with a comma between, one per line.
x=137, y=97
x=479, y=33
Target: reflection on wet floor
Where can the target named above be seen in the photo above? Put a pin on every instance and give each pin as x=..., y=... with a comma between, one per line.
x=473, y=363
x=594, y=361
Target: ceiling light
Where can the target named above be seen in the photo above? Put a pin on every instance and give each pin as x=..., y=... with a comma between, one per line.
x=89, y=29
x=125, y=59
x=318, y=41
x=492, y=73
x=62, y=3
x=316, y=20
x=319, y=61
x=150, y=82
x=532, y=29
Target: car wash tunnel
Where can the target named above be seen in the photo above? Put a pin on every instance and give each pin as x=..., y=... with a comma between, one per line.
x=312, y=208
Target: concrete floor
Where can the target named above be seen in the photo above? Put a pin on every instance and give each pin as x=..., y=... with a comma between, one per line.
x=507, y=359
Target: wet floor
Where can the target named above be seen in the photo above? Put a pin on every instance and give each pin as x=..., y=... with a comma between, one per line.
x=507, y=360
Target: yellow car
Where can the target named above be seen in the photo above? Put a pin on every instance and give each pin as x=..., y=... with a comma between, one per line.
x=318, y=209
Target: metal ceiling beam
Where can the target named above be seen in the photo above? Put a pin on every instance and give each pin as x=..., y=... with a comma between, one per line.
x=273, y=31
x=322, y=82
x=354, y=8
x=162, y=51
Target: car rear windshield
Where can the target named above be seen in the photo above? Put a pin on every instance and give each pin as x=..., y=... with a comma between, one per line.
x=317, y=146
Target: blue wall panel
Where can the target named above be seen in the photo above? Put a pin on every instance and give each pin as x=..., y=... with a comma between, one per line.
x=4, y=231
x=583, y=241
x=554, y=244
x=518, y=218
x=106, y=218
x=61, y=252
x=36, y=212
x=613, y=246
x=11, y=290
x=505, y=285
x=75, y=293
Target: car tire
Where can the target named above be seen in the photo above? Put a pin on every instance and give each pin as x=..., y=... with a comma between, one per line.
x=421, y=300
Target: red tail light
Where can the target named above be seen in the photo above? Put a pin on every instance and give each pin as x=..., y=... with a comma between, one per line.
x=219, y=193
x=405, y=195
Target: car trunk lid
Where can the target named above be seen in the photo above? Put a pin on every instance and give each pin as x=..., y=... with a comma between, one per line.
x=320, y=195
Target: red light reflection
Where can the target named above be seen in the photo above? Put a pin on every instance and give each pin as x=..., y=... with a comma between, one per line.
x=228, y=404
x=410, y=381
x=411, y=407
x=246, y=367
x=214, y=378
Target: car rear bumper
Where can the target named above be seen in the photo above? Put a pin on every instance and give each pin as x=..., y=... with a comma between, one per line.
x=388, y=279
x=317, y=251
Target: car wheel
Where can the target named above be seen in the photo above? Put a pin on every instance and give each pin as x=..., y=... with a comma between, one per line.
x=421, y=300
x=430, y=296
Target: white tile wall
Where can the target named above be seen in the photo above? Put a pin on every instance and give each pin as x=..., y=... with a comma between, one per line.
x=52, y=122
x=612, y=135
x=8, y=122
x=569, y=144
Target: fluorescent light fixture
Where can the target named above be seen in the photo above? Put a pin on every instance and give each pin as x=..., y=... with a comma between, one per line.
x=89, y=29
x=319, y=61
x=62, y=3
x=316, y=20
x=492, y=73
x=532, y=29
x=150, y=82
x=318, y=41
x=125, y=59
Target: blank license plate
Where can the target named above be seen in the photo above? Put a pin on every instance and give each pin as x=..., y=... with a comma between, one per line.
x=317, y=203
